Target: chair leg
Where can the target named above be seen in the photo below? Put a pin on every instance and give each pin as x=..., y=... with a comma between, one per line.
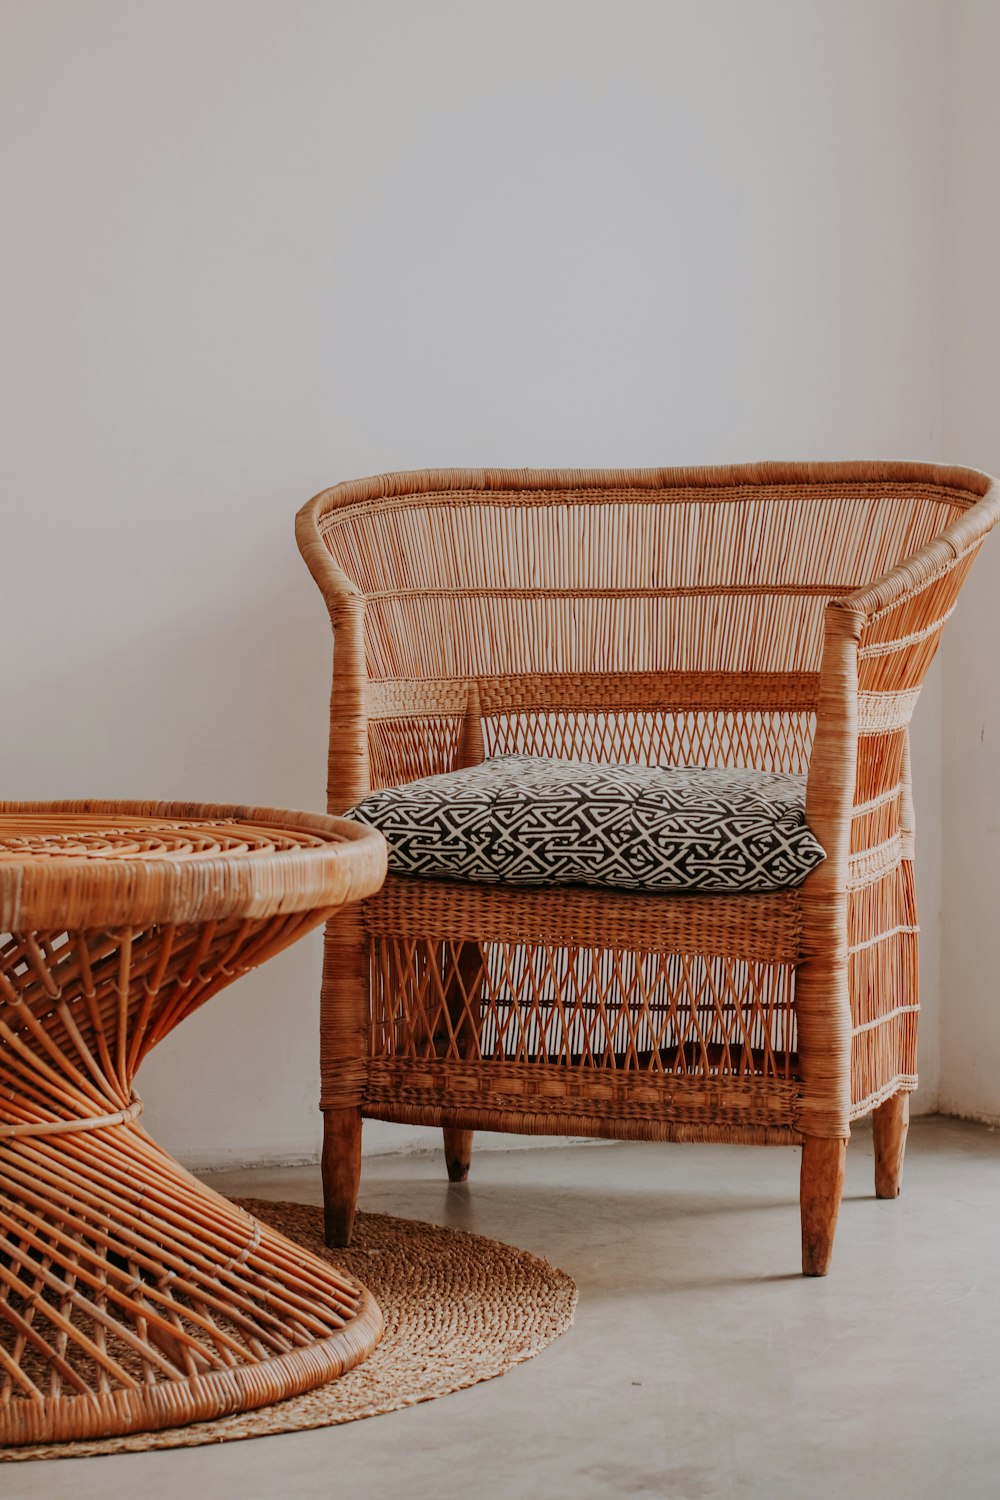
x=820, y=1187
x=890, y=1123
x=457, y=1152
x=341, y=1173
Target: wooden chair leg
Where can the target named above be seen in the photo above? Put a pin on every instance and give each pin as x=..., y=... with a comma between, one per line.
x=341, y=1173
x=457, y=1153
x=890, y=1122
x=820, y=1188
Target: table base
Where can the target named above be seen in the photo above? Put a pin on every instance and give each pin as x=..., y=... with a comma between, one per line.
x=137, y=1298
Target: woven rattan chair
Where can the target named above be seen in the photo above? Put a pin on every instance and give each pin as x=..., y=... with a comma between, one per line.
x=777, y=616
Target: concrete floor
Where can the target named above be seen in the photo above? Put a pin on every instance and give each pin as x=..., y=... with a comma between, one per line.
x=701, y=1364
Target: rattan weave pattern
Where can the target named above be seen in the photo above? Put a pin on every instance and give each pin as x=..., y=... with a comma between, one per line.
x=458, y=1308
x=26, y=837
x=132, y=1297
x=780, y=616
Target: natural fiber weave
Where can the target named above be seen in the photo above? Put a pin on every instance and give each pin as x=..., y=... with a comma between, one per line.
x=774, y=616
x=131, y=1296
x=458, y=1309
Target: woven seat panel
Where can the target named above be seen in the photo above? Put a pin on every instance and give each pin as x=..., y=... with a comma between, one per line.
x=764, y=928
x=572, y=1009
x=523, y=1036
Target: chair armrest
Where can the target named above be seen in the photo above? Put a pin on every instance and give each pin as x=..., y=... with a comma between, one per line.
x=339, y=592
x=878, y=644
x=348, y=770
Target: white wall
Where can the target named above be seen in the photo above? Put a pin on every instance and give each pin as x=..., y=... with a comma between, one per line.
x=970, y=1057
x=252, y=248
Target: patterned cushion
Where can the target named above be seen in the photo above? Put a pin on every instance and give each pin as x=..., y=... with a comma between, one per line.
x=518, y=820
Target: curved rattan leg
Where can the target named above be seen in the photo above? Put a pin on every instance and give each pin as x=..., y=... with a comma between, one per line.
x=821, y=1184
x=457, y=1153
x=890, y=1122
x=341, y=1173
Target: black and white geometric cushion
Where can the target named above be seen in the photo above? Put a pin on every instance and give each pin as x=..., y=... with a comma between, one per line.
x=520, y=820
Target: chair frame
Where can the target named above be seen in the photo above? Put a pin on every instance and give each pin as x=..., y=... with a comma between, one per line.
x=808, y=662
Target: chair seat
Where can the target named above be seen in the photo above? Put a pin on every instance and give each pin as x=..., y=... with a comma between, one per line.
x=521, y=820
x=761, y=927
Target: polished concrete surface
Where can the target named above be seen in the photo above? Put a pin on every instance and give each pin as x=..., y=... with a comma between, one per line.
x=701, y=1364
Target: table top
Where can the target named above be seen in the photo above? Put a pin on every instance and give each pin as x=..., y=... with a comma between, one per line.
x=104, y=864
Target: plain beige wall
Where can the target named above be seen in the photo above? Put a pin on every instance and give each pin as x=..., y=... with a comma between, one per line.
x=252, y=248
x=970, y=1053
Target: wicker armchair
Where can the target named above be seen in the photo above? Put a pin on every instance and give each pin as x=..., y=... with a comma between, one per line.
x=778, y=616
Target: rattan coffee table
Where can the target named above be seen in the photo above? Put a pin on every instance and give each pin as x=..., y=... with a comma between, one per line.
x=131, y=1296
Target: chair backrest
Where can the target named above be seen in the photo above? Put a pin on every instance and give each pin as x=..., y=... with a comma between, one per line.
x=646, y=615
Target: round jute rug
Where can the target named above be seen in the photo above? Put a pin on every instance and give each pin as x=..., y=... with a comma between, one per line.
x=458, y=1309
